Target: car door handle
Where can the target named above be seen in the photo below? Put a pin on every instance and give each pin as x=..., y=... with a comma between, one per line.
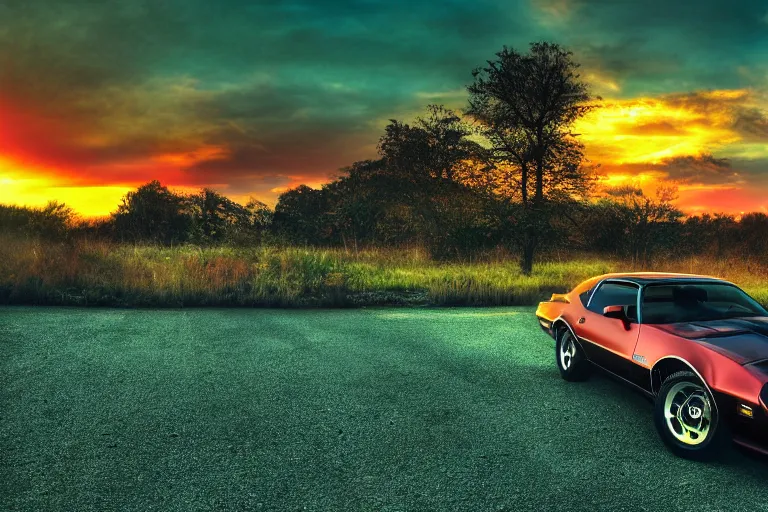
x=582, y=320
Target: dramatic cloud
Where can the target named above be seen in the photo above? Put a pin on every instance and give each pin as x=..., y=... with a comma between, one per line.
x=705, y=169
x=752, y=123
x=671, y=139
x=253, y=97
x=677, y=125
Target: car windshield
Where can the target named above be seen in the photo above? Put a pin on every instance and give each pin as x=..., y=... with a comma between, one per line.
x=672, y=303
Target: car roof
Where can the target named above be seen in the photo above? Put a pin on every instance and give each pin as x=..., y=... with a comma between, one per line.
x=644, y=278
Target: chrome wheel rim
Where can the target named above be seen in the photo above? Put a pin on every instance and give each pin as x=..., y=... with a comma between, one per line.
x=688, y=413
x=567, y=351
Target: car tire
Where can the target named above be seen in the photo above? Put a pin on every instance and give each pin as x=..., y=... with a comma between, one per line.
x=686, y=418
x=571, y=362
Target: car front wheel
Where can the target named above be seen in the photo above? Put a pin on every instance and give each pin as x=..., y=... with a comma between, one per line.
x=571, y=362
x=686, y=418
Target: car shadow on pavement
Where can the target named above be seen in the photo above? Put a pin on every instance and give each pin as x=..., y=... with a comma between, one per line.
x=619, y=396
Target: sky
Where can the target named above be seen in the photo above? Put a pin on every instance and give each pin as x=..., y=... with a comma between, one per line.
x=253, y=98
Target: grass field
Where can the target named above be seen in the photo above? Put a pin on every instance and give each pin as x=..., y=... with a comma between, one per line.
x=350, y=410
x=99, y=274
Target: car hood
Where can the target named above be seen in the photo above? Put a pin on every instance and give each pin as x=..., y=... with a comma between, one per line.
x=744, y=340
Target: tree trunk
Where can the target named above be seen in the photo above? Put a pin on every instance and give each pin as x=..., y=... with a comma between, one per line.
x=524, y=183
x=539, y=192
x=529, y=249
x=539, y=197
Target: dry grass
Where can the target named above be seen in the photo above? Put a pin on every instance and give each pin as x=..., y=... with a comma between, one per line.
x=97, y=273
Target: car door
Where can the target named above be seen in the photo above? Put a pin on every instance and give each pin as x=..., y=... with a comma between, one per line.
x=610, y=342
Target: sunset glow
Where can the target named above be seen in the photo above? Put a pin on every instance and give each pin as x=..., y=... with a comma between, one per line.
x=79, y=125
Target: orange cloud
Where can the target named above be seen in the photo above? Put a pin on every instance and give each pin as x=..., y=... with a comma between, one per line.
x=670, y=139
x=204, y=153
x=128, y=136
x=648, y=130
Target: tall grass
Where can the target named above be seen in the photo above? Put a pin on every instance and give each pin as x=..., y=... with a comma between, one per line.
x=98, y=273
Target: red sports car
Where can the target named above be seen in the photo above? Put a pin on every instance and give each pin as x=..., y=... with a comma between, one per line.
x=698, y=346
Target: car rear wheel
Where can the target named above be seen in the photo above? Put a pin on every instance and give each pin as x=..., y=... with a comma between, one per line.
x=686, y=418
x=571, y=362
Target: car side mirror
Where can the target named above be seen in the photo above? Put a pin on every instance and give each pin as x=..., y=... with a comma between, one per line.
x=614, y=312
x=617, y=312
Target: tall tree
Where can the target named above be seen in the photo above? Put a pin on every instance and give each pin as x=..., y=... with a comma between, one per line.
x=152, y=213
x=431, y=148
x=423, y=160
x=359, y=199
x=525, y=106
x=218, y=219
x=301, y=216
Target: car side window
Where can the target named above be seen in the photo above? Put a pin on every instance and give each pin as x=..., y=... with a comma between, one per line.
x=615, y=294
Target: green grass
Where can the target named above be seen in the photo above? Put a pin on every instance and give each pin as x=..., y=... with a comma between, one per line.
x=100, y=274
x=323, y=410
x=120, y=275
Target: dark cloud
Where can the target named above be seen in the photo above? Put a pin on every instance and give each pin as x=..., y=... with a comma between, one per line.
x=707, y=102
x=741, y=20
x=752, y=123
x=70, y=45
x=296, y=129
x=655, y=46
x=627, y=58
x=52, y=51
x=705, y=169
x=292, y=129
x=699, y=170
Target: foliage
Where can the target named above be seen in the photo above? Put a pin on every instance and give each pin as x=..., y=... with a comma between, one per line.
x=155, y=214
x=301, y=214
x=52, y=221
x=152, y=213
x=630, y=225
x=217, y=219
x=410, y=195
x=524, y=106
x=429, y=150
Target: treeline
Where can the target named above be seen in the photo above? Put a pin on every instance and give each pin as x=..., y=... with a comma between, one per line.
x=375, y=209
x=152, y=214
